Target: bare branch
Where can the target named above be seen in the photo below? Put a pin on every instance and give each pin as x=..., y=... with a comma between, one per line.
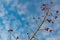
x=28, y=36
x=39, y=27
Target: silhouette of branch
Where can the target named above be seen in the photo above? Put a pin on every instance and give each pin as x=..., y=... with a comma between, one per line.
x=10, y=30
x=28, y=36
x=34, y=34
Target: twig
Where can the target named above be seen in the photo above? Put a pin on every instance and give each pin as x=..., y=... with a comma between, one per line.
x=28, y=36
x=10, y=35
x=39, y=27
x=13, y=35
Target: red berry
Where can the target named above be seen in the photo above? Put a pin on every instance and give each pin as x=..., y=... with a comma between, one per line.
x=43, y=8
x=52, y=22
x=51, y=30
x=46, y=29
x=44, y=4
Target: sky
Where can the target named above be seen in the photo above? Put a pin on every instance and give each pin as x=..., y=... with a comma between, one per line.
x=18, y=15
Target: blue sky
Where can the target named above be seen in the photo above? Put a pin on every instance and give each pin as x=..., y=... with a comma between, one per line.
x=14, y=14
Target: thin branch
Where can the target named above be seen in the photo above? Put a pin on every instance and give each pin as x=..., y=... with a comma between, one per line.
x=28, y=36
x=10, y=35
x=39, y=27
x=13, y=35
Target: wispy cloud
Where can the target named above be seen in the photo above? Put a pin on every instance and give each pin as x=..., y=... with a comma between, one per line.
x=22, y=9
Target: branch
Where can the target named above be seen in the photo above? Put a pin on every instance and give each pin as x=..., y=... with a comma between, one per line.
x=28, y=36
x=39, y=27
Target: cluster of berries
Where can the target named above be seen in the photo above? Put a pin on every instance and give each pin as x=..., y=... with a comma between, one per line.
x=47, y=29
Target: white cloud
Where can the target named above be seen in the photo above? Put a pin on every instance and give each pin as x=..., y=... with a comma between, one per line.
x=56, y=7
x=7, y=24
x=51, y=38
x=3, y=12
x=11, y=21
x=57, y=37
x=7, y=1
x=23, y=18
x=21, y=29
x=13, y=5
x=4, y=35
x=22, y=8
x=57, y=26
x=16, y=24
x=45, y=33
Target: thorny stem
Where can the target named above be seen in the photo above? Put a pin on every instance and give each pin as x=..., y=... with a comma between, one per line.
x=39, y=27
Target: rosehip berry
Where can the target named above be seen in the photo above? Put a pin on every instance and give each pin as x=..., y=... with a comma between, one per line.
x=44, y=4
x=52, y=22
x=46, y=29
x=51, y=30
x=43, y=8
